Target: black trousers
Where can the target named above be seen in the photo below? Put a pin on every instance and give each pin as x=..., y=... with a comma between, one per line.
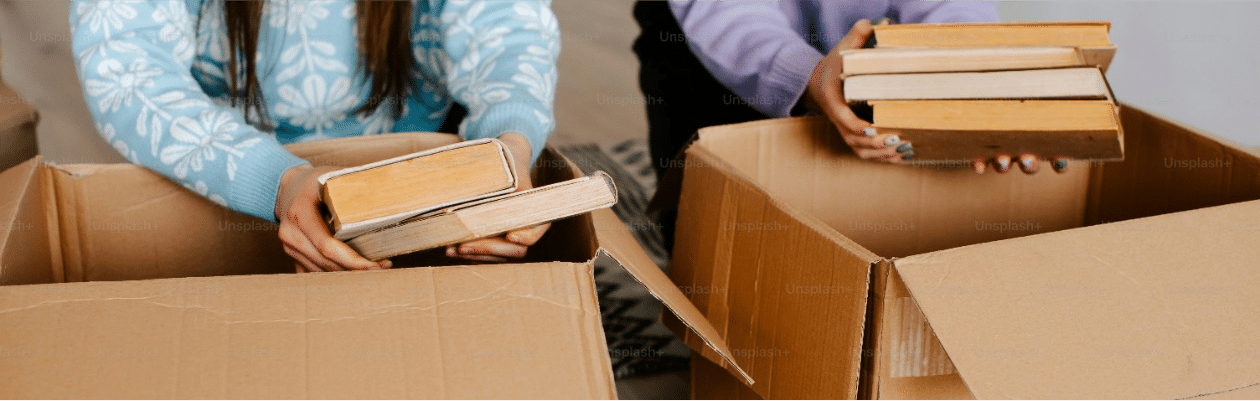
x=680, y=94
x=681, y=97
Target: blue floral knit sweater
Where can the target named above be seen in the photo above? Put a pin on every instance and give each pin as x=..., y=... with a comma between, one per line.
x=153, y=73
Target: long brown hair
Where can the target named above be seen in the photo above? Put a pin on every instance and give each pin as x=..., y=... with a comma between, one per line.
x=385, y=59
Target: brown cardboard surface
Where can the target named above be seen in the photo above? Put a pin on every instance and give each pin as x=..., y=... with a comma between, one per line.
x=710, y=382
x=1170, y=168
x=488, y=331
x=24, y=228
x=621, y=245
x=764, y=273
x=139, y=238
x=769, y=202
x=17, y=129
x=1148, y=308
x=893, y=210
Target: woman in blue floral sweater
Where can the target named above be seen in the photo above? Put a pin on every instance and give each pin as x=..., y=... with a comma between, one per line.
x=205, y=92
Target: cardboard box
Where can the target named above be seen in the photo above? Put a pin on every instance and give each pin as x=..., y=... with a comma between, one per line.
x=831, y=277
x=122, y=284
x=17, y=129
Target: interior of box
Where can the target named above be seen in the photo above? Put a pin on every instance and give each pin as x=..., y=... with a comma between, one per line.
x=899, y=211
x=903, y=210
x=122, y=222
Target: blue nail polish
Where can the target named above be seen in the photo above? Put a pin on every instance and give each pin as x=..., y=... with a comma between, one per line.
x=1060, y=164
x=869, y=131
x=908, y=155
x=904, y=147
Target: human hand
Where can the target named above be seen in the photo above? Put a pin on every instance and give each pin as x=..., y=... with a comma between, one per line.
x=1028, y=162
x=513, y=244
x=305, y=236
x=826, y=92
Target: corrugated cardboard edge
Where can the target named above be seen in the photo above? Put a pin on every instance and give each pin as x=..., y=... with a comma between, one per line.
x=617, y=242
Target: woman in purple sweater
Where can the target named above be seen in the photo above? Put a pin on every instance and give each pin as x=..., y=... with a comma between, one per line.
x=705, y=63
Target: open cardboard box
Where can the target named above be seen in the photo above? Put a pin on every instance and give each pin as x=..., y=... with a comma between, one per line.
x=831, y=277
x=118, y=283
x=17, y=129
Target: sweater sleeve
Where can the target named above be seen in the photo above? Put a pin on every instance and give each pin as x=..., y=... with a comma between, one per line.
x=503, y=67
x=750, y=47
x=916, y=11
x=134, y=60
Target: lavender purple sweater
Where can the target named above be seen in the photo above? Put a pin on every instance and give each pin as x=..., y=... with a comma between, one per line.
x=765, y=51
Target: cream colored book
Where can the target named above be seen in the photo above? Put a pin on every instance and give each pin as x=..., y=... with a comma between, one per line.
x=1092, y=37
x=900, y=61
x=489, y=217
x=1059, y=83
x=966, y=130
x=363, y=198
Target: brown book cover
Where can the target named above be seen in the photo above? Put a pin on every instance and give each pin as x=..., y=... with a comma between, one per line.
x=1092, y=37
x=360, y=199
x=964, y=130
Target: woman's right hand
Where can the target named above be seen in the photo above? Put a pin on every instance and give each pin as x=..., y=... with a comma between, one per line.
x=826, y=92
x=305, y=236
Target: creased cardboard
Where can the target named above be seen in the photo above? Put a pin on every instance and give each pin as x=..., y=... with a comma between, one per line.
x=157, y=292
x=490, y=331
x=791, y=247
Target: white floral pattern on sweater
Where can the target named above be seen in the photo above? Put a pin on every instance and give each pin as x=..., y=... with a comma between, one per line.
x=153, y=73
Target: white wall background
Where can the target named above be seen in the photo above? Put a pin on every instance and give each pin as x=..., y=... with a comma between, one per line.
x=1197, y=62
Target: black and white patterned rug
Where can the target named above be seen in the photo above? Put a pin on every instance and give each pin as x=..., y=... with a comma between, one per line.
x=638, y=344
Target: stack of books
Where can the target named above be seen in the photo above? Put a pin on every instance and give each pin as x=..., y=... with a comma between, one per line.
x=446, y=196
x=977, y=90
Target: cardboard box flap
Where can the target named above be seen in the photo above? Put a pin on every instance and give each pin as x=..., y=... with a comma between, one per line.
x=481, y=331
x=25, y=255
x=1151, y=308
x=617, y=242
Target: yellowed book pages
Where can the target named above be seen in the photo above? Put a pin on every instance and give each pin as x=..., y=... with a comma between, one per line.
x=1062, y=83
x=489, y=217
x=375, y=194
x=897, y=61
x=965, y=130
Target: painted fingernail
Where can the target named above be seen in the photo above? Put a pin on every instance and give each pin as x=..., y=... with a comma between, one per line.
x=891, y=140
x=1003, y=164
x=908, y=155
x=1060, y=164
x=387, y=264
x=869, y=131
x=1028, y=161
x=450, y=251
x=905, y=147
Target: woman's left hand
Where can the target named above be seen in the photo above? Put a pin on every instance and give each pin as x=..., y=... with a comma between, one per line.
x=513, y=244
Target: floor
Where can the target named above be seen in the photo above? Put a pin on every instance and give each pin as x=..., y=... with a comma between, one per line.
x=598, y=98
